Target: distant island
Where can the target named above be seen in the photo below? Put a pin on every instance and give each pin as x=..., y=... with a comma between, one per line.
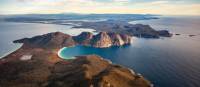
x=122, y=27
x=37, y=63
x=62, y=17
x=117, y=23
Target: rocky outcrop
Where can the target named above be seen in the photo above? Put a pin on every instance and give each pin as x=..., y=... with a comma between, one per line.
x=164, y=33
x=84, y=38
x=126, y=38
x=59, y=40
x=101, y=40
x=117, y=39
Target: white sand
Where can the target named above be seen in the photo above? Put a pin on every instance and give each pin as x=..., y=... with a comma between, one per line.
x=26, y=57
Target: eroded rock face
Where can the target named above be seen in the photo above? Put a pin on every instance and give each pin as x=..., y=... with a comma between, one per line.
x=126, y=38
x=116, y=39
x=59, y=40
x=84, y=38
x=101, y=40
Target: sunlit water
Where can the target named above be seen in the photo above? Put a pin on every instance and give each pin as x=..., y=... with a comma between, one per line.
x=166, y=62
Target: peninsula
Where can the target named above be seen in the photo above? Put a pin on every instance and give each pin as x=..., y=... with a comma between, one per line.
x=36, y=63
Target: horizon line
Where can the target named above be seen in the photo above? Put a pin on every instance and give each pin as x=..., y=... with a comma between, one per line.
x=100, y=13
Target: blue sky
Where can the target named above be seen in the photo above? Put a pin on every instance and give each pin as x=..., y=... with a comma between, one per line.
x=164, y=7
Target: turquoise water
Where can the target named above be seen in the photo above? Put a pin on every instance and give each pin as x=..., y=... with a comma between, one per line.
x=166, y=62
x=70, y=52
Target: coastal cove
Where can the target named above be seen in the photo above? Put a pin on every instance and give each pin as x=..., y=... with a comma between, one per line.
x=72, y=52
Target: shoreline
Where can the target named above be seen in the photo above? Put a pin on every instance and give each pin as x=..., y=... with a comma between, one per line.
x=60, y=55
x=11, y=51
x=59, y=52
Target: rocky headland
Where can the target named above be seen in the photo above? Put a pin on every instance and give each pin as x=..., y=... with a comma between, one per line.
x=59, y=40
x=36, y=63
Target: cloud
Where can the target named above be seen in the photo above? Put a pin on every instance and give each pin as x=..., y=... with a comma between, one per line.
x=159, y=2
x=169, y=7
x=120, y=0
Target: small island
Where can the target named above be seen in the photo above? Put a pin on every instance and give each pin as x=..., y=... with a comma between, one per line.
x=37, y=64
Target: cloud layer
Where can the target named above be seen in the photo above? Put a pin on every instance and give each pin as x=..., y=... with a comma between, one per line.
x=166, y=7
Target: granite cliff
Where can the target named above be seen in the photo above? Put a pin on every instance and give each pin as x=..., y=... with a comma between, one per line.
x=103, y=39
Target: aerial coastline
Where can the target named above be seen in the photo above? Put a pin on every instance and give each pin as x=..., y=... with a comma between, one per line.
x=99, y=43
x=46, y=49
x=40, y=53
x=131, y=56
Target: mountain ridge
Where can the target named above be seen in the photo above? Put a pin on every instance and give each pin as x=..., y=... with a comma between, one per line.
x=59, y=40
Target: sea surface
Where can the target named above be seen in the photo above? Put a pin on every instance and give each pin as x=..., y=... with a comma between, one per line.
x=166, y=62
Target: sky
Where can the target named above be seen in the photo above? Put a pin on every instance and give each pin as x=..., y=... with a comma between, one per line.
x=163, y=7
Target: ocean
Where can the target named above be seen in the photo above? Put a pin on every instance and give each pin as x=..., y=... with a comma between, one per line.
x=166, y=62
